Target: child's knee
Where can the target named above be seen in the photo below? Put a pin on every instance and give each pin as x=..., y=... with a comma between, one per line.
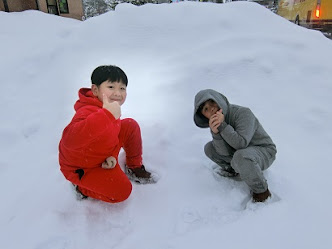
x=208, y=149
x=242, y=161
x=110, y=185
x=115, y=195
x=121, y=194
x=129, y=128
x=130, y=122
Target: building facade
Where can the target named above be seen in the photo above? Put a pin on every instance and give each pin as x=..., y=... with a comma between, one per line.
x=65, y=8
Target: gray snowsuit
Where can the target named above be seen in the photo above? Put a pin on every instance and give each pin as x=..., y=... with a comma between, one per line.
x=242, y=145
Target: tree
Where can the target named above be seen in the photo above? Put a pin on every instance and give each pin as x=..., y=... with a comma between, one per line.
x=97, y=7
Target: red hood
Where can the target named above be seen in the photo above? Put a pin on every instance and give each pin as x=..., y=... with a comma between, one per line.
x=86, y=97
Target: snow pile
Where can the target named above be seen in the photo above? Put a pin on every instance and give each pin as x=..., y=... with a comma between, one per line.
x=169, y=52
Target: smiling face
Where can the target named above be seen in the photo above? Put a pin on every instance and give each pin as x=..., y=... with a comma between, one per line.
x=209, y=108
x=114, y=91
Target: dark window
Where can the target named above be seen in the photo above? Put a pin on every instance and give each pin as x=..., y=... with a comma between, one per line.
x=309, y=16
x=6, y=5
x=52, y=7
x=63, y=7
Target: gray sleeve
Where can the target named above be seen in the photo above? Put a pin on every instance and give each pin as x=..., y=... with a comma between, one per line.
x=244, y=126
x=221, y=146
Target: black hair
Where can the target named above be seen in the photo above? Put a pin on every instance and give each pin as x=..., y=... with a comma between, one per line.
x=199, y=111
x=110, y=73
x=200, y=108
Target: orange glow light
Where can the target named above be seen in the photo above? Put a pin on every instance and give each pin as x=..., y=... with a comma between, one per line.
x=318, y=10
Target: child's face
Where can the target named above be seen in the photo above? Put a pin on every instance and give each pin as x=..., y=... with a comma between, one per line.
x=114, y=91
x=210, y=108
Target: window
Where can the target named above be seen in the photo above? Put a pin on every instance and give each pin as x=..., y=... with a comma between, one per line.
x=63, y=7
x=56, y=6
x=309, y=16
x=51, y=7
x=6, y=5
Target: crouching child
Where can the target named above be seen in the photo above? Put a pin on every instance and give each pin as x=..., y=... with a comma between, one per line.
x=240, y=145
x=90, y=144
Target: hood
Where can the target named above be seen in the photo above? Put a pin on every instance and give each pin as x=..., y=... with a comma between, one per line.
x=86, y=97
x=203, y=96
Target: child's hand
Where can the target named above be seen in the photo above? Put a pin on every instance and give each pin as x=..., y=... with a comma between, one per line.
x=112, y=107
x=216, y=120
x=109, y=163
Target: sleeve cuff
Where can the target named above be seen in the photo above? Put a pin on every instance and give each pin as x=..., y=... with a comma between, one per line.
x=222, y=126
x=109, y=114
x=216, y=136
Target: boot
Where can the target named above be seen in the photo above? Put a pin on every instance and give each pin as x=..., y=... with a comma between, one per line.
x=79, y=194
x=140, y=175
x=261, y=197
x=225, y=171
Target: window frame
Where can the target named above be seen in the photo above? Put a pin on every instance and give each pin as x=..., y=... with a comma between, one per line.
x=66, y=9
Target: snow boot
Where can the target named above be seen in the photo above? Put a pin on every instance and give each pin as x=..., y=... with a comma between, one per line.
x=261, y=197
x=140, y=175
x=224, y=171
x=79, y=195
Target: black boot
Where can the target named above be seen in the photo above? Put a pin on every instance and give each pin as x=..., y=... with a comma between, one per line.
x=79, y=194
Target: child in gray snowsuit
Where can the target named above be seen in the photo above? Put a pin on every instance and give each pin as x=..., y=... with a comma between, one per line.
x=240, y=145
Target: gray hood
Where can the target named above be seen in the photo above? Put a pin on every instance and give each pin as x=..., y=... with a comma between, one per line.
x=205, y=95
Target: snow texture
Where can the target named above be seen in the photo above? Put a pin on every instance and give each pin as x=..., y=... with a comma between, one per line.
x=169, y=51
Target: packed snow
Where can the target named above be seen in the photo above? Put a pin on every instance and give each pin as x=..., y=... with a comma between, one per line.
x=257, y=59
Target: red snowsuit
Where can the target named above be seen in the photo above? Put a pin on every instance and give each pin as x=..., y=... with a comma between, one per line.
x=92, y=136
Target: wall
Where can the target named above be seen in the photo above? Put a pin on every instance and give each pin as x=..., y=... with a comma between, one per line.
x=2, y=6
x=75, y=7
x=19, y=5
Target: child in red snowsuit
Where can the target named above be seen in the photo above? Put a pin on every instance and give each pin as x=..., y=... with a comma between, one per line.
x=90, y=144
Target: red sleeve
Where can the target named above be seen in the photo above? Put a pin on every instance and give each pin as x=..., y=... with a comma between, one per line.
x=88, y=124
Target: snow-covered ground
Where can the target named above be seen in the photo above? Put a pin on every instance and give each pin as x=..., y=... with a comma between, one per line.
x=169, y=51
